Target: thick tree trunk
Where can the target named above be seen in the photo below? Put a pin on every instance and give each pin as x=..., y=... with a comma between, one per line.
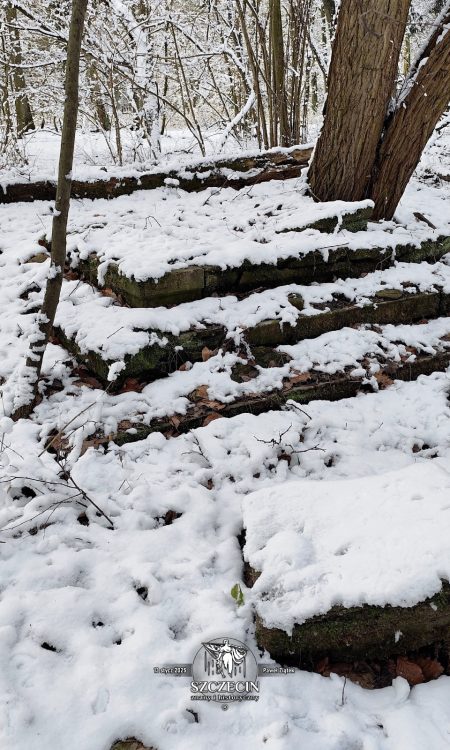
x=361, y=83
x=24, y=117
x=423, y=102
x=59, y=228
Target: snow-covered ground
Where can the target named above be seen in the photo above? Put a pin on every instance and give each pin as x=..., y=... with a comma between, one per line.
x=87, y=611
x=60, y=583
x=96, y=156
x=314, y=554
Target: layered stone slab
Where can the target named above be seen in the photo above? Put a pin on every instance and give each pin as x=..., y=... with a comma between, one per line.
x=234, y=172
x=167, y=351
x=351, y=570
x=196, y=282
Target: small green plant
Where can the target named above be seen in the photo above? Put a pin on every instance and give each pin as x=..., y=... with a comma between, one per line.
x=237, y=594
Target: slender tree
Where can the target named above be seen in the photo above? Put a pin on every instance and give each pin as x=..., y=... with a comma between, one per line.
x=27, y=397
x=24, y=117
x=280, y=114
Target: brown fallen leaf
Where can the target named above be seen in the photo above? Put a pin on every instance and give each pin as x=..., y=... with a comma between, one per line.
x=199, y=394
x=208, y=353
x=383, y=379
x=300, y=377
x=131, y=384
x=322, y=666
x=38, y=258
x=89, y=381
x=431, y=668
x=95, y=442
x=216, y=405
x=124, y=425
x=211, y=418
x=409, y=670
x=107, y=292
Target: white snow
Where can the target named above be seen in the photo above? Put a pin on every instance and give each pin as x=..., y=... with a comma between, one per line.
x=378, y=541
x=60, y=583
x=355, y=465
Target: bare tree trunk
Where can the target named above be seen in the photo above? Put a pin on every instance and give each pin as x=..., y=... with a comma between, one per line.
x=361, y=82
x=329, y=11
x=59, y=227
x=97, y=98
x=278, y=75
x=24, y=117
x=423, y=101
x=6, y=109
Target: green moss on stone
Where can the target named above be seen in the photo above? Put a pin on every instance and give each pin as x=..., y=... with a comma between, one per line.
x=405, y=309
x=195, y=282
x=361, y=633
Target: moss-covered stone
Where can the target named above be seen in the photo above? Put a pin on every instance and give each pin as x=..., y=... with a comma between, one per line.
x=152, y=361
x=296, y=300
x=269, y=165
x=389, y=294
x=130, y=744
x=353, y=221
x=406, y=308
x=319, y=387
x=195, y=282
x=361, y=633
x=181, y=285
x=156, y=361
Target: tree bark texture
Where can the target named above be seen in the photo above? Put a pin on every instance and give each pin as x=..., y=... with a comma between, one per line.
x=424, y=100
x=59, y=226
x=361, y=83
x=24, y=117
x=278, y=71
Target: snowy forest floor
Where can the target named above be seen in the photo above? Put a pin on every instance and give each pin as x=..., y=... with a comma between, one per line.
x=86, y=611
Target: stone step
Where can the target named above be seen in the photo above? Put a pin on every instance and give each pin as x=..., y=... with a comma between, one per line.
x=300, y=388
x=167, y=351
x=195, y=282
x=352, y=582
x=234, y=172
x=364, y=634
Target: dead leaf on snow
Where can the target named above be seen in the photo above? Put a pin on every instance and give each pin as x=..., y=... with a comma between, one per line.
x=409, y=670
x=208, y=353
x=199, y=394
x=382, y=379
x=211, y=418
x=89, y=381
x=131, y=384
x=300, y=377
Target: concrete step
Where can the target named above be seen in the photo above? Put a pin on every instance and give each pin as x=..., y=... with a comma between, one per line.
x=104, y=334
x=197, y=281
